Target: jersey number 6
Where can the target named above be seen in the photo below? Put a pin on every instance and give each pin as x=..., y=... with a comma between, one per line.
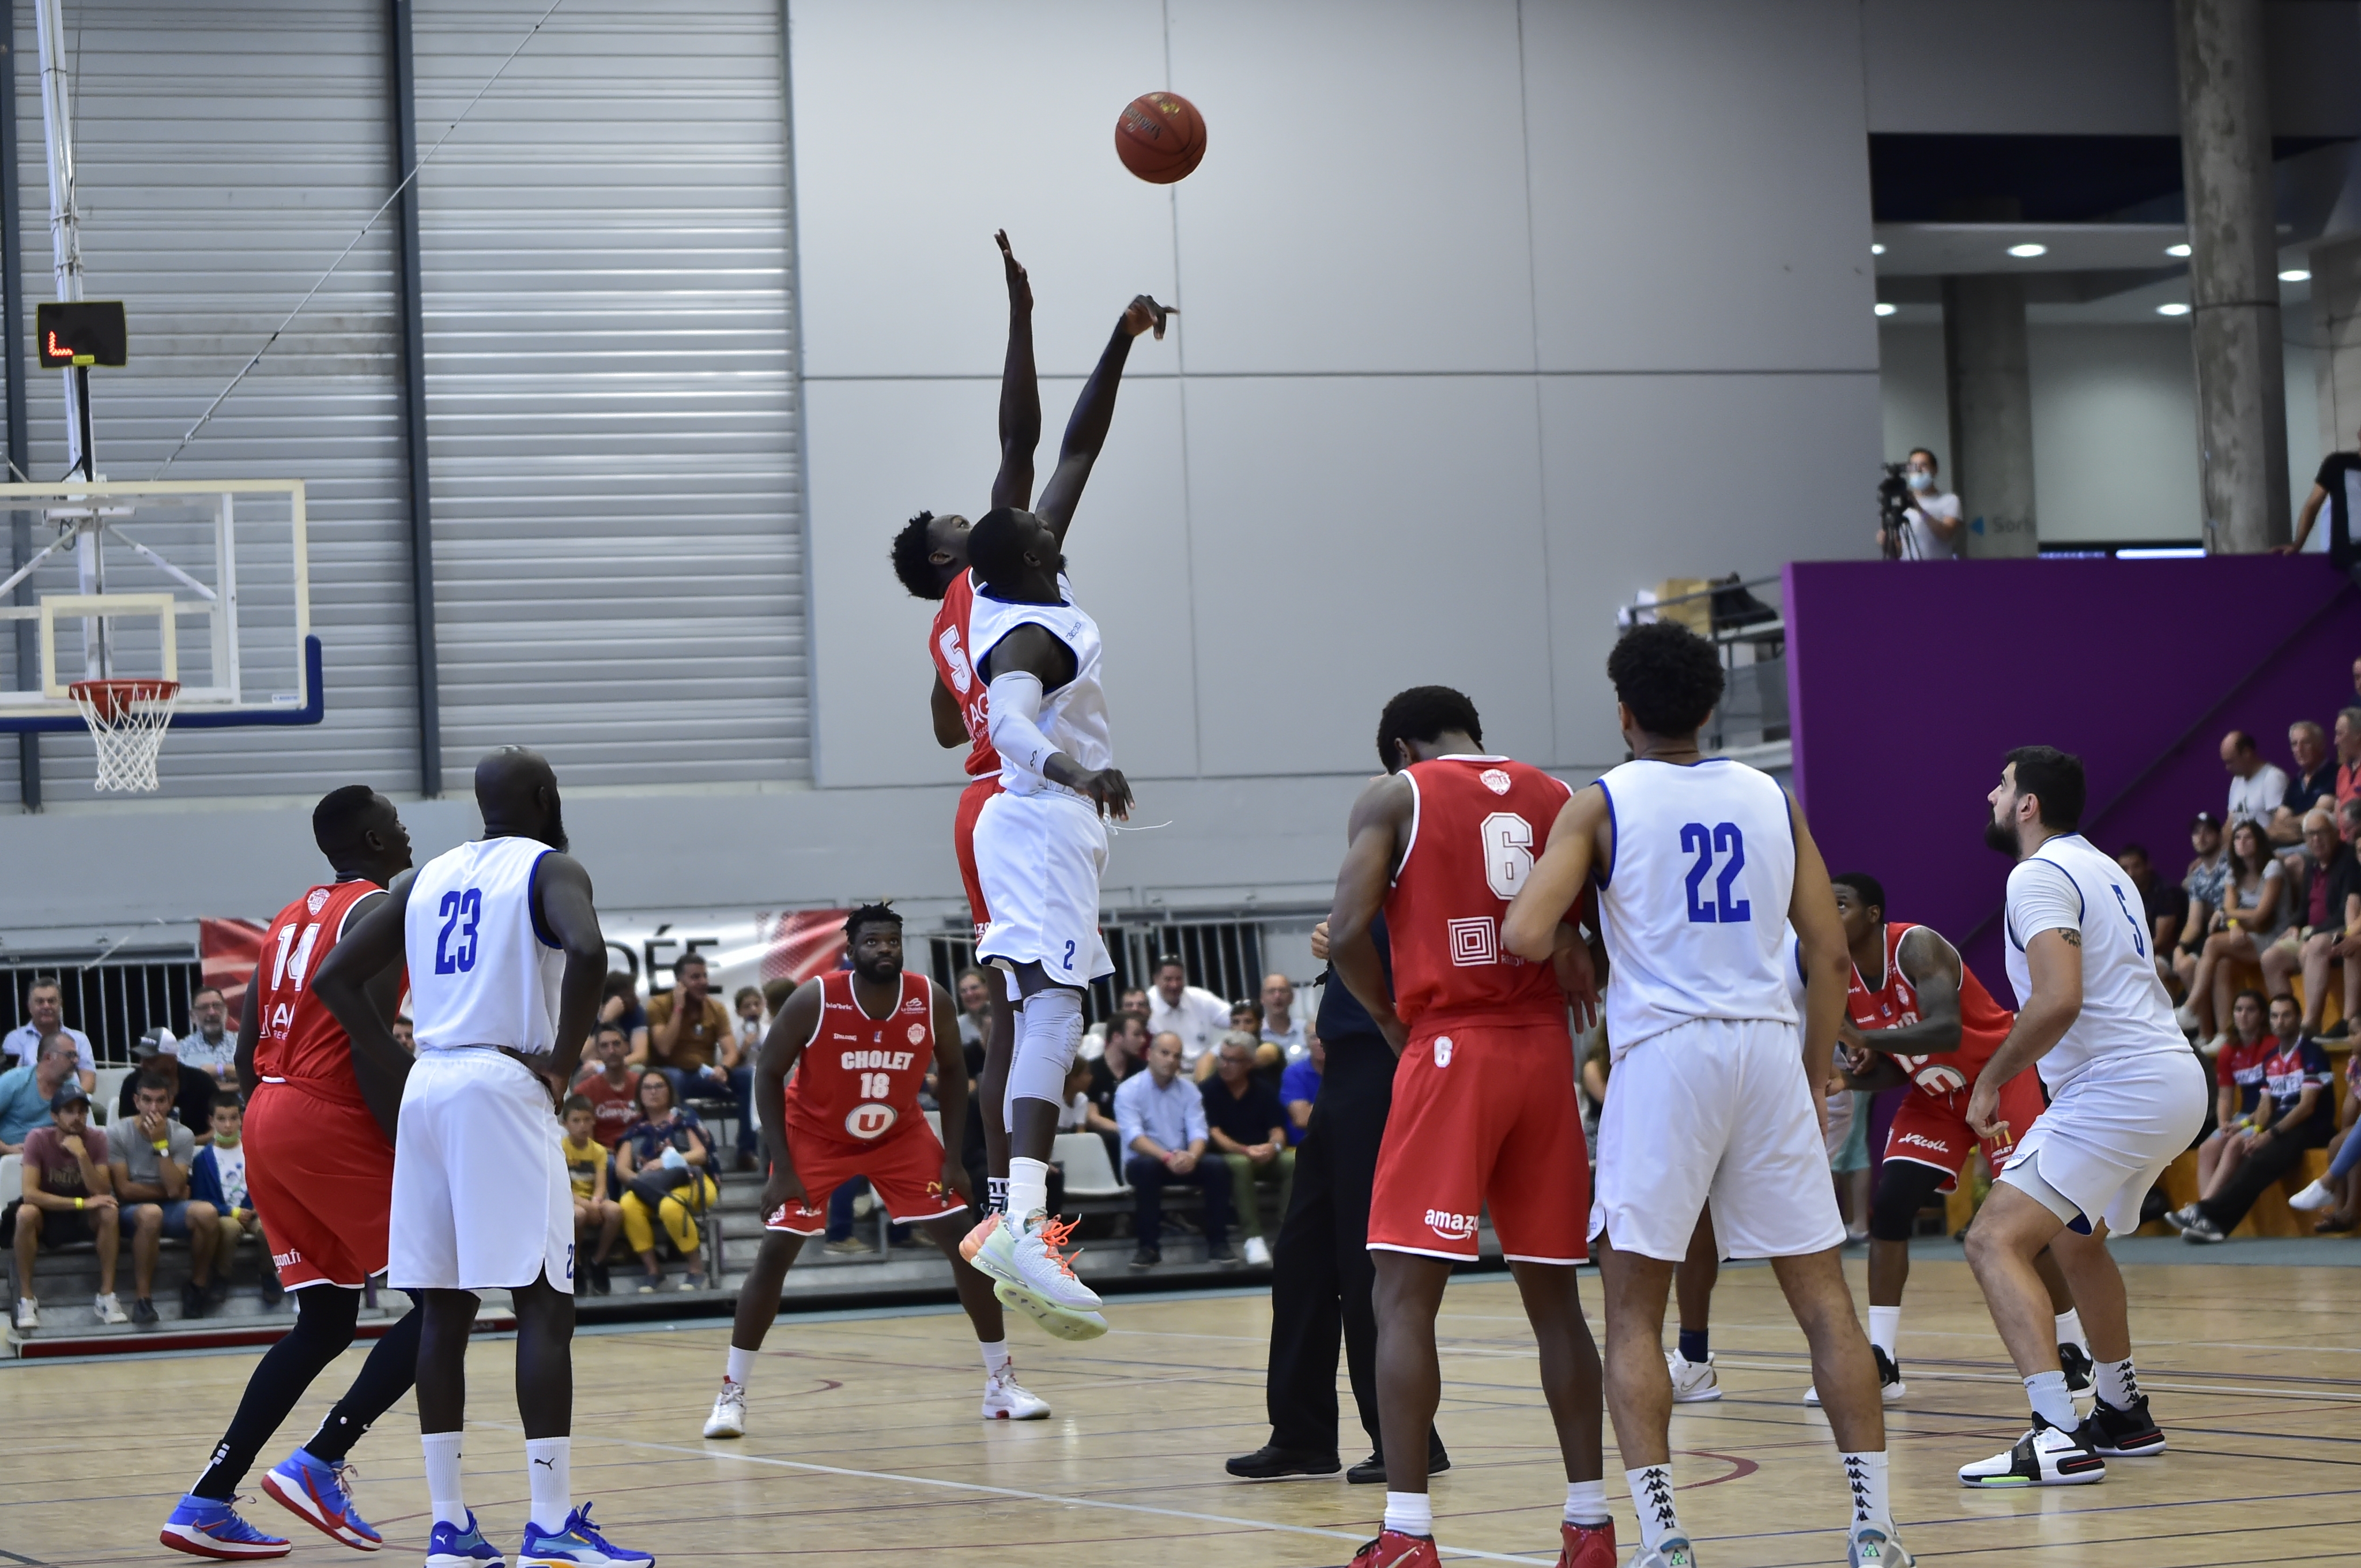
x=1706, y=844
x=1508, y=851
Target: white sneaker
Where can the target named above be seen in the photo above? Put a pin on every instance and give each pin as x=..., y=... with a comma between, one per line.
x=2319, y=1195
x=729, y=1417
x=1007, y=1399
x=1030, y=1259
x=1057, y=1323
x=107, y=1311
x=2185, y=1016
x=1694, y=1382
x=2044, y=1456
x=1258, y=1252
x=28, y=1313
x=1872, y=1548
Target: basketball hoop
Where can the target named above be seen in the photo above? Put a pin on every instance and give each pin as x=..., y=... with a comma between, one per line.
x=128, y=720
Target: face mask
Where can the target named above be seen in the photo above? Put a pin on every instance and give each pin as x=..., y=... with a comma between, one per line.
x=1922, y=481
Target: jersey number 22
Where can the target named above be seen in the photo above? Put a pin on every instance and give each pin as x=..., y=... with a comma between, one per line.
x=1724, y=841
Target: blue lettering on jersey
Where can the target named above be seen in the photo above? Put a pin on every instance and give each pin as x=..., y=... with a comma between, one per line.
x=1706, y=843
x=2139, y=938
x=460, y=911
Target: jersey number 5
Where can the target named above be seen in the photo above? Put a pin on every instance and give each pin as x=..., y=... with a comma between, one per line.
x=1707, y=843
x=460, y=912
x=1508, y=851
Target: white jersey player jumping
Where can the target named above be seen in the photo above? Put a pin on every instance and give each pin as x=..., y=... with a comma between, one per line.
x=2127, y=1095
x=505, y=960
x=1701, y=863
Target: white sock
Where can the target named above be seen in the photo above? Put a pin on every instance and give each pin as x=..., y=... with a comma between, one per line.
x=2051, y=1400
x=1885, y=1323
x=1585, y=1502
x=996, y=1194
x=444, y=1492
x=995, y=1356
x=1029, y=1188
x=549, y=1465
x=1651, y=1494
x=742, y=1365
x=1410, y=1513
x=2070, y=1329
x=1865, y=1473
x=2118, y=1384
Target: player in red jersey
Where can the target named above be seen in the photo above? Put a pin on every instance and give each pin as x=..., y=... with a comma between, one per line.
x=860, y=1043
x=1484, y=1107
x=319, y=1139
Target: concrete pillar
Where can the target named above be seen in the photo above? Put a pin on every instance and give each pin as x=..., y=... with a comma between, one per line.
x=2234, y=291
x=1991, y=412
x=2336, y=328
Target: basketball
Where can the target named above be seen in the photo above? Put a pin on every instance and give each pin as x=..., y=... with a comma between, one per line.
x=1161, y=138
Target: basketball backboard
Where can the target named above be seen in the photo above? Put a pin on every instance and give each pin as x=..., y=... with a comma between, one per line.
x=203, y=582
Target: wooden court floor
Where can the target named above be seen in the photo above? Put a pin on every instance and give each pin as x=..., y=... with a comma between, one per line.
x=864, y=1447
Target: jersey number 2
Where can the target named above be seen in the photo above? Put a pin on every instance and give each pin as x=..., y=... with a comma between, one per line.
x=1707, y=844
x=460, y=912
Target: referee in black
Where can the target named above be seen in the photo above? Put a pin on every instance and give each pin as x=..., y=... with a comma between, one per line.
x=1323, y=1284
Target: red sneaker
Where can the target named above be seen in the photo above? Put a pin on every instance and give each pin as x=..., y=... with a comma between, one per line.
x=1586, y=1545
x=1392, y=1549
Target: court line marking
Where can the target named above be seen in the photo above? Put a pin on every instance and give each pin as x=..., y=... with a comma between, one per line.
x=977, y=1487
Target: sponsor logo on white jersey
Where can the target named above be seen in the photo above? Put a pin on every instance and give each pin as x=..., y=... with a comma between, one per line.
x=1496, y=780
x=1442, y=1050
x=870, y=1121
x=1450, y=1226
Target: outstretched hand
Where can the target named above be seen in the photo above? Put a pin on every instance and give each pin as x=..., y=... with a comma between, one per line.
x=1144, y=313
x=1020, y=288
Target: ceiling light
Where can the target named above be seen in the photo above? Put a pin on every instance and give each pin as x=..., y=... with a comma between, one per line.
x=1876, y=250
x=2028, y=249
x=2175, y=309
x=2177, y=250
x=2295, y=275
x=1881, y=308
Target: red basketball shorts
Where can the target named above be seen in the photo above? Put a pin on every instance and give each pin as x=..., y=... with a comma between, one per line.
x=1935, y=1132
x=971, y=806
x=905, y=1168
x=321, y=1175
x=1483, y=1114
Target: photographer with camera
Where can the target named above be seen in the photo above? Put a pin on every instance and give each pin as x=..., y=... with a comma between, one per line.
x=1918, y=519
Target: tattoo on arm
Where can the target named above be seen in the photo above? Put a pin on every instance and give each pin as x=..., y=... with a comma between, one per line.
x=2072, y=936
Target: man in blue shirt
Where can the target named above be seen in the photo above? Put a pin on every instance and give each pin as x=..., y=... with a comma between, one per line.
x=1299, y=1086
x=1161, y=1120
x=25, y=1092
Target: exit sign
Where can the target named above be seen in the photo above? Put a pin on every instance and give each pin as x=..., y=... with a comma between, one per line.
x=80, y=332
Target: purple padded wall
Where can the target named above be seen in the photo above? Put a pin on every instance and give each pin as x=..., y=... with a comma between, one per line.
x=1907, y=682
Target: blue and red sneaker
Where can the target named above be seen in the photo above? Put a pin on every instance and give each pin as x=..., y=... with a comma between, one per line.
x=314, y=1490
x=203, y=1528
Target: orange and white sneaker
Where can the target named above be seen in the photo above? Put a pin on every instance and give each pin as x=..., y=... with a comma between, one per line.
x=1031, y=1259
x=1586, y=1545
x=1392, y=1549
x=973, y=1243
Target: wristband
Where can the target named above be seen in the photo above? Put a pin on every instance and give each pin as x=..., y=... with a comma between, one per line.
x=78, y=1202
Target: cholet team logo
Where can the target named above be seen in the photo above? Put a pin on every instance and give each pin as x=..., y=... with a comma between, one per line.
x=870, y=1121
x=917, y=1033
x=1496, y=780
x=317, y=901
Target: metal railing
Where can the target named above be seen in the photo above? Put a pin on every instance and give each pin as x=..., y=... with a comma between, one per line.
x=114, y=1000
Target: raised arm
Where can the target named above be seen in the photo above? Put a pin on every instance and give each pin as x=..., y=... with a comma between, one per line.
x=345, y=983
x=1020, y=391
x=1373, y=843
x=562, y=901
x=1086, y=431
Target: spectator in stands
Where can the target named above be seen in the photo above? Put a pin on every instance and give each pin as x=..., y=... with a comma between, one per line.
x=2332, y=907
x=1132, y=1000
x=2167, y=904
x=2238, y=1088
x=1299, y=1089
x=1247, y=1126
x=67, y=1198
x=405, y=1033
x=25, y=1092
x=45, y=1007
x=1125, y=1054
x=2337, y=487
x=748, y=1001
x=694, y=1043
x=192, y=1099
x=2208, y=872
x=148, y=1160
x=2294, y=1117
x=598, y=1218
x=2256, y=787
x=1246, y=1016
x=1163, y=1122
x=2312, y=784
x=2340, y=1187
x=975, y=1007
x=2256, y=908
x=611, y=1085
x=662, y=1163
x=1282, y=1026
x=2346, y=737
x=217, y=1177
x=1190, y=1013
x=619, y=1004
x=210, y=1044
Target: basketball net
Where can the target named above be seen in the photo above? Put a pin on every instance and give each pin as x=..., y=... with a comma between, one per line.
x=128, y=720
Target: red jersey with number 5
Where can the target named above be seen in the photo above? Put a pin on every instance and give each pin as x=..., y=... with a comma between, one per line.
x=858, y=1078
x=1475, y=828
x=956, y=666
x=299, y=1040
x=1948, y=1077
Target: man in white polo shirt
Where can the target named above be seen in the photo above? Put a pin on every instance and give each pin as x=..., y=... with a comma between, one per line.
x=46, y=1007
x=1194, y=1013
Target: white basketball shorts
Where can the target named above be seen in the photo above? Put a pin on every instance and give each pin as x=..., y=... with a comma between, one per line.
x=2108, y=1134
x=1039, y=857
x=1717, y=1109
x=480, y=1195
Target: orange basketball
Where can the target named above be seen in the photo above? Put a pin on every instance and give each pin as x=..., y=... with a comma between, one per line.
x=1161, y=138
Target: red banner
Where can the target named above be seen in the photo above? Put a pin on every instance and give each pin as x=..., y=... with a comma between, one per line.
x=229, y=948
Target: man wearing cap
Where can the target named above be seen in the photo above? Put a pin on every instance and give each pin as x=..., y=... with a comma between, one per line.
x=2209, y=874
x=68, y=1199
x=45, y=1004
x=25, y=1092
x=192, y=1099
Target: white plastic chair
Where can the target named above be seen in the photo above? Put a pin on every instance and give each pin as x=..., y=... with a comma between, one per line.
x=12, y=1177
x=103, y=1099
x=1084, y=1158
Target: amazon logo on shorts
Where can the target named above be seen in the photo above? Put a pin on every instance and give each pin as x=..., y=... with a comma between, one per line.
x=1450, y=1226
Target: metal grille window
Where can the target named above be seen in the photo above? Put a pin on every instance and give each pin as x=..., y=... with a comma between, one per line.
x=113, y=1001
x=1223, y=956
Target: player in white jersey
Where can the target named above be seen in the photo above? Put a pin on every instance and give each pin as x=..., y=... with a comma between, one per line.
x=1700, y=864
x=2127, y=1095
x=505, y=960
x=1040, y=845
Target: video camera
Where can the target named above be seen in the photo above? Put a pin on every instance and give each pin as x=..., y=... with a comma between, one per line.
x=1893, y=506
